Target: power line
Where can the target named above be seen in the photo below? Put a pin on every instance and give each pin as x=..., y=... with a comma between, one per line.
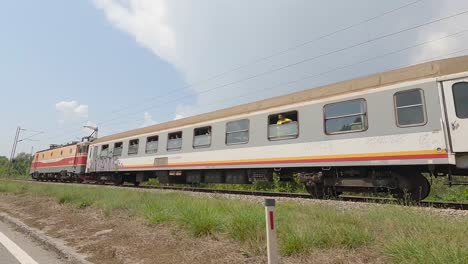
x=457, y=34
x=280, y=52
x=294, y=64
x=275, y=54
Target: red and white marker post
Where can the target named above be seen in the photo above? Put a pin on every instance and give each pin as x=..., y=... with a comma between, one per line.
x=272, y=246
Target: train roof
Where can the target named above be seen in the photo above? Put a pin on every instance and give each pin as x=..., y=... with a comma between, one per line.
x=57, y=146
x=431, y=69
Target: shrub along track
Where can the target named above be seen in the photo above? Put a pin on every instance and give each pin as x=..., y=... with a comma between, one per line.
x=434, y=204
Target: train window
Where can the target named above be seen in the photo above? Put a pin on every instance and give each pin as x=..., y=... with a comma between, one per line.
x=174, y=141
x=409, y=108
x=104, y=150
x=42, y=155
x=202, y=137
x=237, y=132
x=71, y=150
x=84, y=149
x=118, y=146
x=51, y=153
x=133, y=146
x=345, y=117
x=460, y=96
x=283, y=126
x=61, y=152
x=152, y=144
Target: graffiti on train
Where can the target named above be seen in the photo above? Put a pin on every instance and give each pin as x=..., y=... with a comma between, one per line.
x=106, y=164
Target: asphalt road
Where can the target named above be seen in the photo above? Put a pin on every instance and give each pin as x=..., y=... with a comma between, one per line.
x=17, y=248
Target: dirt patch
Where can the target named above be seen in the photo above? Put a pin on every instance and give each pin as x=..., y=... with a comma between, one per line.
x=120, y=238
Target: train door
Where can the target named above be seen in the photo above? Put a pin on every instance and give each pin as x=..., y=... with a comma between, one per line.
x=456, y=98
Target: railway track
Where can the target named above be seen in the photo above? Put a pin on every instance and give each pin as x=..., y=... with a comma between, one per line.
x=349, y=198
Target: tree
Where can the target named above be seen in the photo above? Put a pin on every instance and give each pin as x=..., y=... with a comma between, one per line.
x=21, y=164
x=3, y=165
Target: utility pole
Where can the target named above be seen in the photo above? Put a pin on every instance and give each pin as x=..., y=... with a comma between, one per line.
x=15, y=144
x=13, y=150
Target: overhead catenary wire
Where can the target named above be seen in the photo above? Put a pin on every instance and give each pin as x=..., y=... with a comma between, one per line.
x=264, y=58
x=250, y=92
x=275, y=54
x=295, y=63
x=269, y=88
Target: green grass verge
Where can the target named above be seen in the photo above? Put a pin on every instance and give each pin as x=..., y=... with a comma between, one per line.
x=402, y=235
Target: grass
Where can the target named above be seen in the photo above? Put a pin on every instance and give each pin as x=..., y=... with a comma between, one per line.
x=399, y=234
x=440, y=191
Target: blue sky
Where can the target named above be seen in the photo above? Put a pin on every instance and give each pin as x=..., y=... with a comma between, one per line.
x=117, y=63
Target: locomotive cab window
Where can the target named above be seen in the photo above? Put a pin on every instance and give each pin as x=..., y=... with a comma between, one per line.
x=118, y=146
x=283, y=126
x=345, y=117
x=152, y=144
x=202, y=137
x=237, y=132
x=174, y=141
x=410, y=108
x=84, y=149
x=104, y=150
x=133, y=146
x=460, y=96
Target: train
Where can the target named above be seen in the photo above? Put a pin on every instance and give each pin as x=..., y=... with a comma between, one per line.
x=378, y=133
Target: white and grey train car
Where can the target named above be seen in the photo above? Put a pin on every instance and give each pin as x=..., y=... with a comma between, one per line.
x=376, y=133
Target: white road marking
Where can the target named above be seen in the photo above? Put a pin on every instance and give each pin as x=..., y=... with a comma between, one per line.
x=16, y=251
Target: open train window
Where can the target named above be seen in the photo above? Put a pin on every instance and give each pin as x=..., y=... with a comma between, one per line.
x=202, y=137
x=410, y=108
x=345, y=117
x=174, y=141
x=237, y=132
x=460, y=97
x=118, y=146
x=152, y=144
x=133, y=146
x=104, y=150
x=283, y=126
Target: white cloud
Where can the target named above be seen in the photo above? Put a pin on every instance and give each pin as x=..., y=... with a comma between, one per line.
x=148, y=120
x=71, y=111
x=146, y=21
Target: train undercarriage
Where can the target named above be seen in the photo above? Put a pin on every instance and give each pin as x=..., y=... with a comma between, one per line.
x=405, y=182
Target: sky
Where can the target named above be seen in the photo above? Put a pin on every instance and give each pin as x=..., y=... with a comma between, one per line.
x=124, y=64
